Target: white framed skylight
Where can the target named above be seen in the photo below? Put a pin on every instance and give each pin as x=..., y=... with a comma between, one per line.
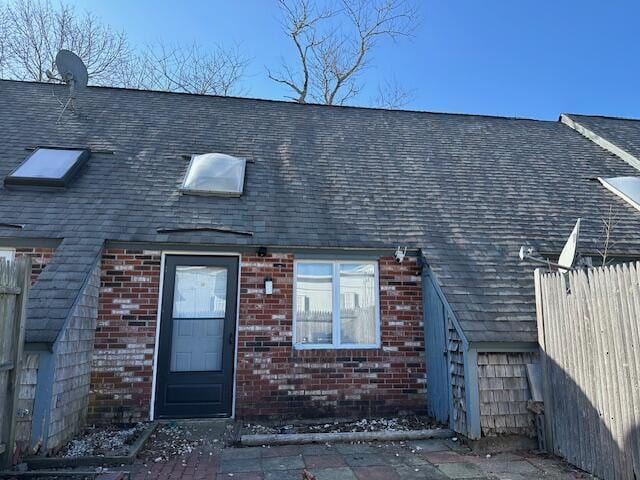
x=53, y=167
x=627, y=188
x=215, y=174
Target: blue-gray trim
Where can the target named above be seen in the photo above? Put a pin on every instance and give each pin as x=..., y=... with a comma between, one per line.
x=43, y=399
x=427, y=271
x=472, y=392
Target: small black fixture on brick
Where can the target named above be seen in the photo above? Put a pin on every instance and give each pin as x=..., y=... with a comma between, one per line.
x=262, y=251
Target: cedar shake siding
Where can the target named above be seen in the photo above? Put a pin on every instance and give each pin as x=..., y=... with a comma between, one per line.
x=272, y=378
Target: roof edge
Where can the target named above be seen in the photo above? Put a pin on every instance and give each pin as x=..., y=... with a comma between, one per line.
x=600, y=141
x=291, y=103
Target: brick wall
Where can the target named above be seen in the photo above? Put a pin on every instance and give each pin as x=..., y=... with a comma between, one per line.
x=125, y=336
x=40, y=256
x=504, y=391
x=273, y=379
x=72, y=370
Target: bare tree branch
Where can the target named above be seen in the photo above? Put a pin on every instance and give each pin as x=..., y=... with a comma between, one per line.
x=332, y=57
x=33, y=31
x=391, y=95
x=300, y=23
x=189, y=69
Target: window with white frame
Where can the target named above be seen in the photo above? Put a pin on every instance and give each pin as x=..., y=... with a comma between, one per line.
x=7, y=253
x=337, y=304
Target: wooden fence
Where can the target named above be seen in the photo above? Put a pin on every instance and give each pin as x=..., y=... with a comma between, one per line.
x=14, y=285
x=589, y=334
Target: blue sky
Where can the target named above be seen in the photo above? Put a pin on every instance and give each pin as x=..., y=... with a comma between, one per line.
x=526, y=58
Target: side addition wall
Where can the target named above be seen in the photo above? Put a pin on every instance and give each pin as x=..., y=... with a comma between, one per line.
x=72, y=369
x=504, y=391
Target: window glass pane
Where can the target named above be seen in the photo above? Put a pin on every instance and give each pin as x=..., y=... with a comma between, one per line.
x=215, y=172
x=314, y=301
x=357, y=303
x=48, y=163
x=6, y=254
x=200, y=292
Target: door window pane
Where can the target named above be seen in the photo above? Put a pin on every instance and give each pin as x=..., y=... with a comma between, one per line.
x=357, y=304
x=199, y=305
x=314, y=318
x=200, y=292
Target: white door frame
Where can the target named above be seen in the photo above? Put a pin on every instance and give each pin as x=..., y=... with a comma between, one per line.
x=164, y=253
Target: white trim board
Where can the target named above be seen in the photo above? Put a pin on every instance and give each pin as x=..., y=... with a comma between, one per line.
x=163, y=254
x=598, y=140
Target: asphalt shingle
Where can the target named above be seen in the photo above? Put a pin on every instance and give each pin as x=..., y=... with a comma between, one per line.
x=467, y=189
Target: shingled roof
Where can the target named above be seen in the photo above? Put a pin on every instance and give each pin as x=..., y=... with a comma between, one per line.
x=467, y=189
x=623, y=133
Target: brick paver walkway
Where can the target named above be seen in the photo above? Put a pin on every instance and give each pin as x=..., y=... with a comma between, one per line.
x=428, y=459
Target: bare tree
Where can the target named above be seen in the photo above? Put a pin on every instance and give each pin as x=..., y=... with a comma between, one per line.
x=331, y=56
x=35, y=30
x=189, y=69
x=391, y=95
x=609, y=222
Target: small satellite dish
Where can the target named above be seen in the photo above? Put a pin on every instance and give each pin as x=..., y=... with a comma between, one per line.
x=72, y=69
x=568, y=254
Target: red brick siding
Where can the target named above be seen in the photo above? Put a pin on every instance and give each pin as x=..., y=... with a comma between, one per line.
x=40, y=257
x=125, y=336
x=273, y=379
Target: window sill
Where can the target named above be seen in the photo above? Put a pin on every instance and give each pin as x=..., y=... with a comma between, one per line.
x=310, y=346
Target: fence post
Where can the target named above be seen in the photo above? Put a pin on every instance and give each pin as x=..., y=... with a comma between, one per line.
x=548, y=416
x=23, y=269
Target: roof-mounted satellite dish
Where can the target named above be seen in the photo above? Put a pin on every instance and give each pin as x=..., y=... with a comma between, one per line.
x=568, y=254
x=72, y=70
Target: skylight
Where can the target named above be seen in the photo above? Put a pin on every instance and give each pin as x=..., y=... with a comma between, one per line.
x=215, y=173
x=627, y=188
x=53, y=167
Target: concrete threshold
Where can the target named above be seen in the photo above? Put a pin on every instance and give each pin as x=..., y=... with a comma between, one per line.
x=342, y=437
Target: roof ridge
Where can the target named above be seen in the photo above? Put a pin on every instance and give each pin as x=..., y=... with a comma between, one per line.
x=291, y=103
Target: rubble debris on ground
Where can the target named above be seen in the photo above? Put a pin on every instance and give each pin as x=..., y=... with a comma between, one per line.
x=336, y=426
x=173, y=439
x=110, y=440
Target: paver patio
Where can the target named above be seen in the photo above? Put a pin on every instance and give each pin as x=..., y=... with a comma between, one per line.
x=428, y=459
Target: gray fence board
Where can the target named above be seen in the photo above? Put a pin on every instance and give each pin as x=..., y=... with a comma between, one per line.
x=589, y=335
x=14, y=286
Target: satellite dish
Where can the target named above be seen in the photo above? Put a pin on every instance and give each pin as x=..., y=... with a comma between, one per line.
x=568, y=254
x=72, y=70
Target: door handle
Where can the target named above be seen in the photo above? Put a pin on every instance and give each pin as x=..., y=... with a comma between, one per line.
x=231, y=338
